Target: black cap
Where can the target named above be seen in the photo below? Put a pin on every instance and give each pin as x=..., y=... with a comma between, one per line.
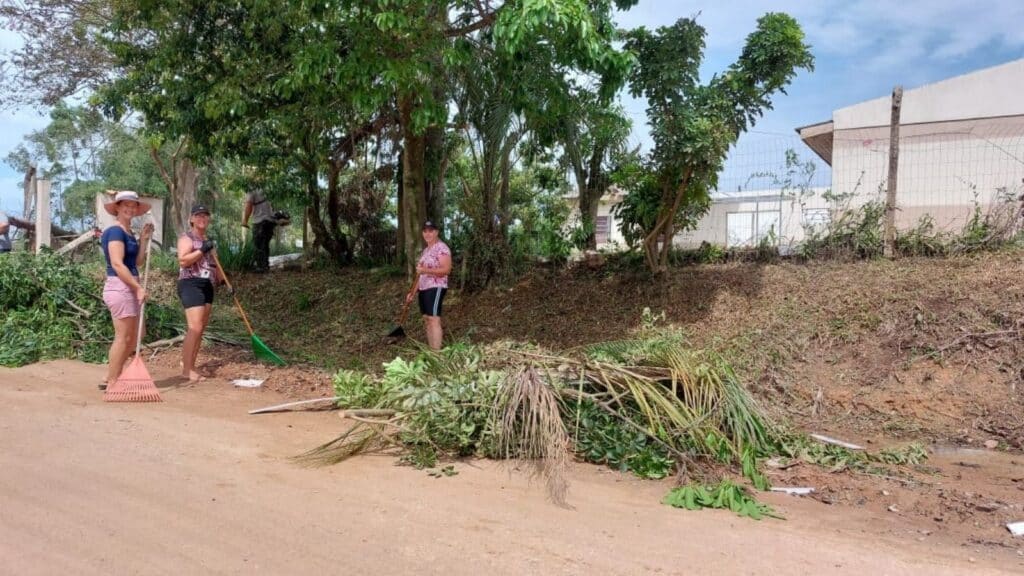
x=200, y=209
x=429, y=224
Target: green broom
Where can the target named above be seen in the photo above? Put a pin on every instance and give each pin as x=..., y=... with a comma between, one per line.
x=261, y=350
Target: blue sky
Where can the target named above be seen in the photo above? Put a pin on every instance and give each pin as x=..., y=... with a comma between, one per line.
x=863, y=48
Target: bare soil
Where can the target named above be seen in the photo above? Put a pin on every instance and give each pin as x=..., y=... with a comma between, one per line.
x=194, y=485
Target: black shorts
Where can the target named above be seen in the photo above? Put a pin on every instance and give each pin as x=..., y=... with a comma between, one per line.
x=195, y=292
x=430, y=301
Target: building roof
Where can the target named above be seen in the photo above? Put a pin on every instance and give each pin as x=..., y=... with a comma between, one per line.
x=987, y=93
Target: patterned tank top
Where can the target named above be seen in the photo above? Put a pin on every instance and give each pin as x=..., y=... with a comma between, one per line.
x=202, y=268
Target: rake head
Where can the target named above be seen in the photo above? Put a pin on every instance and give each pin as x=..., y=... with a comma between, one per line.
x=134, y=385
x=264, y=353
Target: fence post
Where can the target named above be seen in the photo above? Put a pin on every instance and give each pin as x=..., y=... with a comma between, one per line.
x=889, y=249
x=42, y=214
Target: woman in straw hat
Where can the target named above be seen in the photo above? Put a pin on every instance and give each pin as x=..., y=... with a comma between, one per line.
x=197, y=275
x=122, y=292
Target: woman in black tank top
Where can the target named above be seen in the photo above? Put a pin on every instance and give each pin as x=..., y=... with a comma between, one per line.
x=197, y=276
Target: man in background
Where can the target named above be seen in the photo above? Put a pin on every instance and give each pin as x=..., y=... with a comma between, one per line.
x=258, y=208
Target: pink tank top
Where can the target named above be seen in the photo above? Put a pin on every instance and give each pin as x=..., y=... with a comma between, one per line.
x=202, y=268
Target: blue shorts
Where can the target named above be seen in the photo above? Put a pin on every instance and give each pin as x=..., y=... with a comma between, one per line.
x=430, y=301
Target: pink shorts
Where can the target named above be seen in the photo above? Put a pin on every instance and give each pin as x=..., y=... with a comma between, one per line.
x=120, y=298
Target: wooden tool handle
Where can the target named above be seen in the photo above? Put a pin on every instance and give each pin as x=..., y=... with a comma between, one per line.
x=238, y=304
x=405, y=308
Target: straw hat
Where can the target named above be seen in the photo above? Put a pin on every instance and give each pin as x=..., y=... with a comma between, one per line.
x=111, y=207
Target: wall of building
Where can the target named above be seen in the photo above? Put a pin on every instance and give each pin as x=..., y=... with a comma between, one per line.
x=988, y=93
x=944, y=168
x=744, y=221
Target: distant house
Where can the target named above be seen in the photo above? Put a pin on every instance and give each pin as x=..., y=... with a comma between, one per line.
x=961, y=143
x=607, y=227
x=745, y=219
x=735, y=220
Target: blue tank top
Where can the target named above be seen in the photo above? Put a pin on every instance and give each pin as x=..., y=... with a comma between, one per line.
x=131, y=248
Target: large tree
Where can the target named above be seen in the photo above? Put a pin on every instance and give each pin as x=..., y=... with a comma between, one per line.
x=59, y=56
x=310, y=82
x=693, y=125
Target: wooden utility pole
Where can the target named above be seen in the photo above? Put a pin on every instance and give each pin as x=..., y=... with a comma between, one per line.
x=42, y=214
x=889, y=250
x=30, y=191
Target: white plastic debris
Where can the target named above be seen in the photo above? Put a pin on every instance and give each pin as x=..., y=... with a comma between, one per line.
x=793, y=491
x=828, y=440
x=1016, y=528
x=248, y=383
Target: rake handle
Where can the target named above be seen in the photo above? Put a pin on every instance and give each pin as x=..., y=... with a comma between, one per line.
x=145, y=284
x=238, y=304
x=405, y=308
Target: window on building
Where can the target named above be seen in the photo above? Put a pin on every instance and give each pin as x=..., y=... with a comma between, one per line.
x=816, y=218
x=601, y=229
x=741, y=227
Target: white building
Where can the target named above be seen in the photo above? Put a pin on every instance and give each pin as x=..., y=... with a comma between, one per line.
x=961, y=142
x=745, y=219
x=734, y=220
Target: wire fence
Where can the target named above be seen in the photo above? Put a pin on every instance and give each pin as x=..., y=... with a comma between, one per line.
x=786, y=191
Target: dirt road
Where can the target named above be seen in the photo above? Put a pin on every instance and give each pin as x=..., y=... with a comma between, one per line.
x=196, y=486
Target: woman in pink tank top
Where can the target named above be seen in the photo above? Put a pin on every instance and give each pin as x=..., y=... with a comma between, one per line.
x=433, y=267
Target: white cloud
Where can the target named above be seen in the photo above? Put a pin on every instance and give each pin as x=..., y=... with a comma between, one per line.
x=849, y=28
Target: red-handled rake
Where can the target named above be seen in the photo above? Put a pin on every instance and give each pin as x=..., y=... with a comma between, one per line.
x=135, y=384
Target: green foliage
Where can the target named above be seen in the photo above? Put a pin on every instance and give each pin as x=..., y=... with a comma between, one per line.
x=448, y=397
x=52, y=309
x=602, y=438
x=726, y=495
x=856, y=233
x=837, y=458
x=359, y=390
x=642, y=405
x=711, y=253
x=693, y=125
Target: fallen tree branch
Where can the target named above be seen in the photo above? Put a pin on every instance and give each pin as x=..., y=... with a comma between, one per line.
x=683, y=457
x=166, y=342
x=977, y=336
x=363, y=413
x=283, y=407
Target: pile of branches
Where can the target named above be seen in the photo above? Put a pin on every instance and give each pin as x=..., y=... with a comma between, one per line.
x=50, y=308
x=650, y=405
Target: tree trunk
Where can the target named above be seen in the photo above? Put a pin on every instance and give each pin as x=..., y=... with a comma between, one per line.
x=186, y=179
x=335, y=243
x=664, y=228
x=414, y=202
x=436, y=159
x=589, y=203
x=182, y=181
x=400, y=203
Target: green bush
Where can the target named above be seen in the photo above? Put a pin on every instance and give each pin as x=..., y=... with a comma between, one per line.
x=54, y=309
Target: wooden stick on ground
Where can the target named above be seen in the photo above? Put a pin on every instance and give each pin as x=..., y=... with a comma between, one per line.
x=283, y=407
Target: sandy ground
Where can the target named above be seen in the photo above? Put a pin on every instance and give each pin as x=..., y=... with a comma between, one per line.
x=194, y=485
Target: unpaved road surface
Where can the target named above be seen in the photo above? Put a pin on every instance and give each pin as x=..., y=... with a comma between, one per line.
x=194, y=485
